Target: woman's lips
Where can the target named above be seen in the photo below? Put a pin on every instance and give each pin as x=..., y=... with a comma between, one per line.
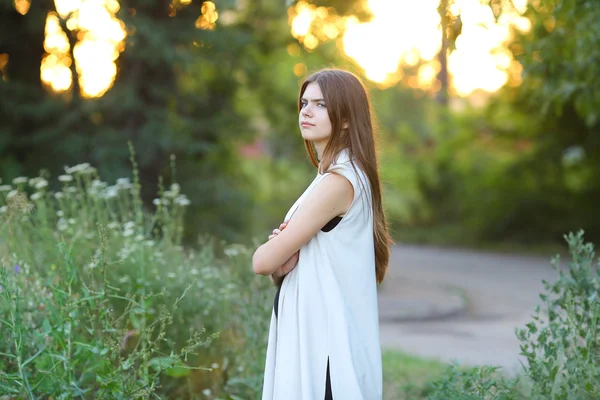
x=307, y=124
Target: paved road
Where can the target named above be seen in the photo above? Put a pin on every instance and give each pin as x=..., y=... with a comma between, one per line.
x=500, y=290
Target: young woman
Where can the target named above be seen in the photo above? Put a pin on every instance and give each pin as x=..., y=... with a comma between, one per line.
x=328, y=255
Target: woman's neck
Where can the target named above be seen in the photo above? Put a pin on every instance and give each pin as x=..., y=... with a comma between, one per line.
x=320, y=147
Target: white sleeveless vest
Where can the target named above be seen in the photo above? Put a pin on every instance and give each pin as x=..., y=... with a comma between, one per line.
x=328, y=308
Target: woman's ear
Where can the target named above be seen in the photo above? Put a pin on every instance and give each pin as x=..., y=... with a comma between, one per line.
x=345, y=125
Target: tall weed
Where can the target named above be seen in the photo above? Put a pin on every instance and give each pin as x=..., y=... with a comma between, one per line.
x=98, y=298
x=562, y=342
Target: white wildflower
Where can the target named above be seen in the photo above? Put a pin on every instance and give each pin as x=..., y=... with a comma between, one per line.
x=170, y=194
x=71, y=189
x=65, y=178
x=60, y=213
x=88, y=170
x=71, y=221
x=41, y=184
x=194, y=271
x=175, y=188
x=19, y=180
x=36, y=196
x=11, y=194
x=214, y=365
x=3, y=209
x=156, y=202
x=206, y=392
x=231, y=252
x=127, y=232
x=97, y=183
x=77, y=168
x=149, y=243
x=62, y=224
x=34, y=181
x=124, y=279
x=59, y=195
x=171, y=275
x=124, y=253
x=111, y=192
x=123, y=183
x=129, y=225
x=139, y=238
x=5, y=188
x=182, y=201
x=113, y=225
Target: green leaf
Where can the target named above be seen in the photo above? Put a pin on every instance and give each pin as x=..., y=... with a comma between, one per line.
x=170, y=365
x=33, y=357
x=532, y=327
x=46, y=326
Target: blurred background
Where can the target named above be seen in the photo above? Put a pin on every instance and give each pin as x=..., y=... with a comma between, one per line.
x=487, y=110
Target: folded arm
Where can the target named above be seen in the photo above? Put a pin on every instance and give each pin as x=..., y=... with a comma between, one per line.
x=330, y=198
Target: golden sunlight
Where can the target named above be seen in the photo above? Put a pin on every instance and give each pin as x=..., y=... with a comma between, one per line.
x=399, y=29
x=54, y=69
x=100, y=37
x=481, y=59
x=404, y=33
x=3, y=64
x=207, y=20
x=22, y=6
x=311, y=24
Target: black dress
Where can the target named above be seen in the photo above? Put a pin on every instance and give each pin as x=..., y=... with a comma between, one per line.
x=329, y=226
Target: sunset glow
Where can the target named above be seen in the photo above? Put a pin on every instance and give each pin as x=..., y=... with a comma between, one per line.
x=404, y=33
x=55, y=69
x=22, y=6
x=100, y=40
x=209, y=16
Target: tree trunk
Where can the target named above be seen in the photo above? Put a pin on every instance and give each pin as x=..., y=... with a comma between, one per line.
x=442, y=95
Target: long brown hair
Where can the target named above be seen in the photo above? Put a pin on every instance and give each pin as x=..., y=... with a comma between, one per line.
x=347, y=100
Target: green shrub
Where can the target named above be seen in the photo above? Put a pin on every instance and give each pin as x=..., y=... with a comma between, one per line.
x=478, y=383
x=562, y=343
x=98, y=298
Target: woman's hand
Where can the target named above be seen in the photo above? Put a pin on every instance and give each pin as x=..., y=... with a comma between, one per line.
x=277, y=231
x=289, y=265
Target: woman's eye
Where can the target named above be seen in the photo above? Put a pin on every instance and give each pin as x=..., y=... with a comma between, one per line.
x=321, y=105
x=302, y=104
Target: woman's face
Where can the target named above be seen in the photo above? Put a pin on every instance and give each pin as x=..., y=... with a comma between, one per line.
x=313, y=119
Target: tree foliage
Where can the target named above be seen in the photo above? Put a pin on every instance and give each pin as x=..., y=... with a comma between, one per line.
x=561, y=56
x=197, y=94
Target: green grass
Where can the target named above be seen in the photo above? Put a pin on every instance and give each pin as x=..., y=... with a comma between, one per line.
x=405, y=376
x=408, y=377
